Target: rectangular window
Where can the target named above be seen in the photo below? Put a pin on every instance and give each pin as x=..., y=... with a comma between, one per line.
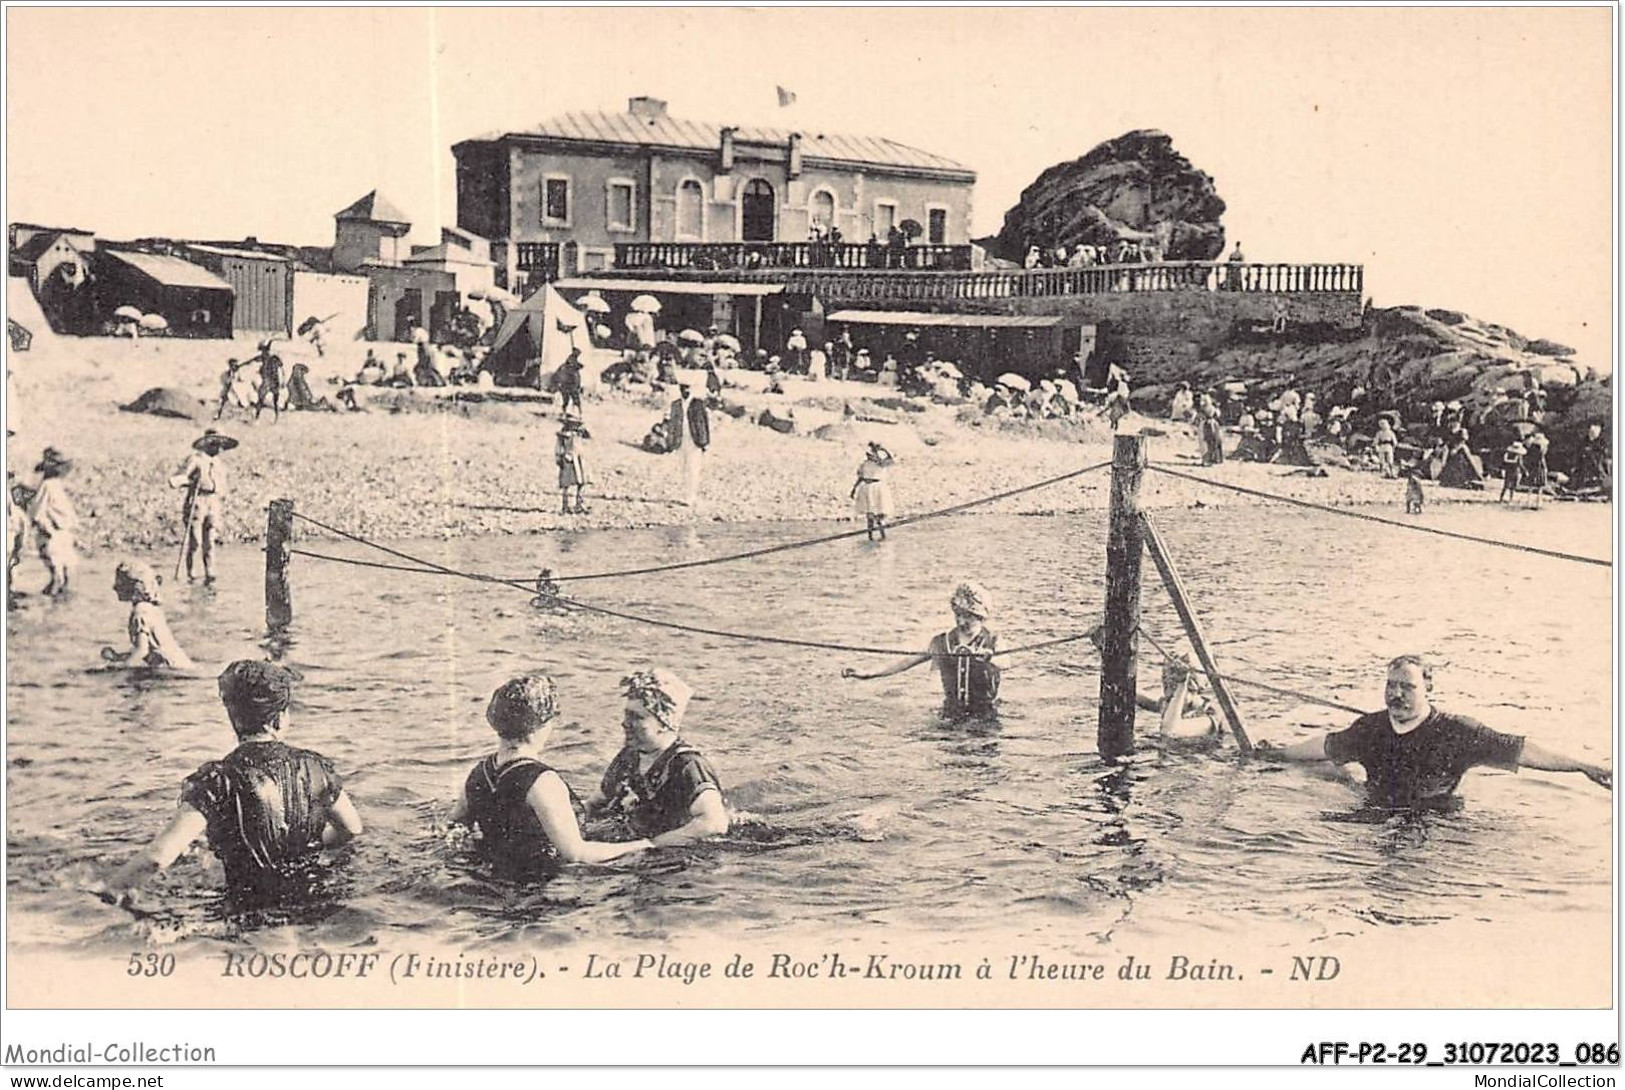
x=556, y=201
x=937, y=226
x=885, y=218
x=618, y=205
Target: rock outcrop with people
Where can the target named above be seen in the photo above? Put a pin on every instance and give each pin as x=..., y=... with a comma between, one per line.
x=1134, y=188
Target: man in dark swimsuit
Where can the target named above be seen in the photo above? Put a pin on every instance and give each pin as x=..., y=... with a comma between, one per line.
x=659, y=784
x=1415, y=755
x=267, y=807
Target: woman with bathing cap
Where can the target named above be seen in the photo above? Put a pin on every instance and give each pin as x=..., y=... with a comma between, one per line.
x=151, y=641
x=1187, y=717
x=523, y=810
x=266, y=806
x=659, y=784
x=963, y=656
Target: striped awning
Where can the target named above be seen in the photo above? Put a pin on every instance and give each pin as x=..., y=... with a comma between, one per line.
x=927, y=318
x=674, y=287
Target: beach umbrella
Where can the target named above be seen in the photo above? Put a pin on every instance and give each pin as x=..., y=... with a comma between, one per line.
x=1014, y=381
x=691, y=336
x=129, y=314
x=153, y=321
x=593, y=303
x=646, y=304
x=728, y=341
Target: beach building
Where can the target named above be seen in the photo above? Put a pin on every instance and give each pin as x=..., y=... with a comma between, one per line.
x=407, y=286
x=192, y=300
x=583, y=191
x=371, y=231
x=261, y=281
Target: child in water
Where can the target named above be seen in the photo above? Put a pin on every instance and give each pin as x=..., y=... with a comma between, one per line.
x=54, y=520
x=871, y=494
x=572, y=468
x=151, y=641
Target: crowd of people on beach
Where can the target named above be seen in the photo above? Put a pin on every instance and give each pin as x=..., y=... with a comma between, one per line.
x=1435, y=443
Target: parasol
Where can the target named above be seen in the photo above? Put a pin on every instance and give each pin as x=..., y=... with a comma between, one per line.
x=1014, y=381
x=153, y=321
x=593, y=303
x=691, y=336
x=646, y=304
x=728, y=341
x=1067, y=389
x=129, y=314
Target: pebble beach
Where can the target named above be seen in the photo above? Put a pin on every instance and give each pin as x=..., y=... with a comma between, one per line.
x=420, y=464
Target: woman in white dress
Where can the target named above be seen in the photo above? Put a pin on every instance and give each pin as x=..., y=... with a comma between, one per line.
x=871, y=494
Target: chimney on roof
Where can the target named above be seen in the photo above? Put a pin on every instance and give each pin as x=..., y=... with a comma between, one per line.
x=795, y=155
x=725, y=155
x=645, y=108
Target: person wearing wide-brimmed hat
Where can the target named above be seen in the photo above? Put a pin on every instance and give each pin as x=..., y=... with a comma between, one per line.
x=523, y=810
x=204, y=478
x=572, y=466
x=151, y=641
x=268, y=809
x=963, y=656
x=54, y=520
x=659, y=784
x=871, y=494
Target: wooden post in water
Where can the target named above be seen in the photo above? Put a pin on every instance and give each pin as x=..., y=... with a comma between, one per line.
x=278, y=596
x=1120, y=639
x=1193, y=628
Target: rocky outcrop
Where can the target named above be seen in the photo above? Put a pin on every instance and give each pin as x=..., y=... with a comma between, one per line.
x=1406, y=357
x=1136, y=187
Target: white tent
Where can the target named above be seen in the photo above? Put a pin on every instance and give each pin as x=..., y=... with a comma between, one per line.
x=544, y=326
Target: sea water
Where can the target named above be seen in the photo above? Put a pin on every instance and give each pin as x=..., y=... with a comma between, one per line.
x=855, y=805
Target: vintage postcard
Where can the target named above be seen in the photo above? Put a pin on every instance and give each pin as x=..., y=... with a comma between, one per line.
x=810, y=508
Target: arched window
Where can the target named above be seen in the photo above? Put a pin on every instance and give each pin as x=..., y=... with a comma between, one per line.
x=756, y=212
x=821, y=209
x=690, y=210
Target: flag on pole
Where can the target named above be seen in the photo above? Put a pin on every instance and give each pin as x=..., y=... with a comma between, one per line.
x=786, y=98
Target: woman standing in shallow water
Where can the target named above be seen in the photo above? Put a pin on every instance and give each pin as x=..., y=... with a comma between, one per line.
x=871, y=494
x=963, y=656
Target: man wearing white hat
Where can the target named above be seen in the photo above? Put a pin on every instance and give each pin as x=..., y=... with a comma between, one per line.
x=204, y=478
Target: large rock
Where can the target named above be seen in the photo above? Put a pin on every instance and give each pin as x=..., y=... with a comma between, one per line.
x=1127, y=188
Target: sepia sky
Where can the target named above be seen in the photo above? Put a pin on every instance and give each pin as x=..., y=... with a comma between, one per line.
x=1463, y=156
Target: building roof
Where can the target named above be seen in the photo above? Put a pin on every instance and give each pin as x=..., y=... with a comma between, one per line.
x=228, y=251
x=170, y=271
x=673, y=132
x=32, y=250
x=374, y=208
